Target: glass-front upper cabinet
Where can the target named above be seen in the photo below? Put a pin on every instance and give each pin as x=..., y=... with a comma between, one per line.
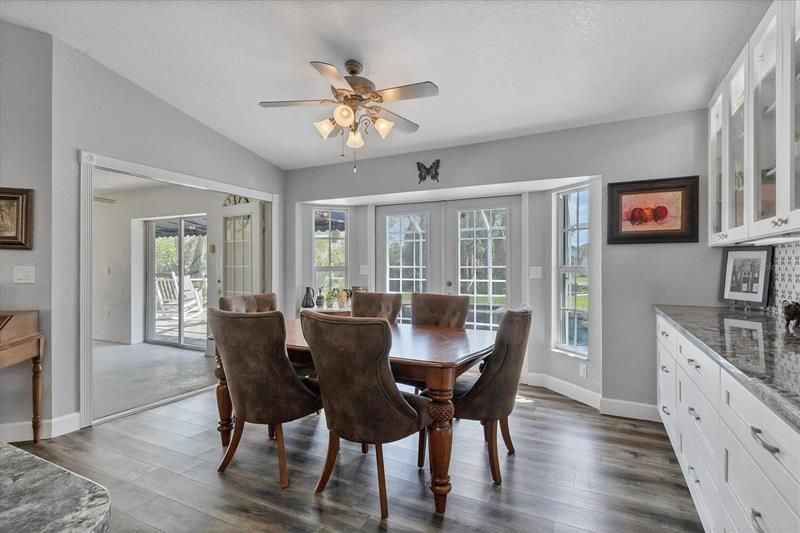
x=715, y=140
x=791, y=47
x=734, y=189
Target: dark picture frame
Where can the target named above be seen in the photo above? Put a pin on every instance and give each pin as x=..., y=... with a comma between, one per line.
x=672, y=217
x=16, y=219
x=746, y=275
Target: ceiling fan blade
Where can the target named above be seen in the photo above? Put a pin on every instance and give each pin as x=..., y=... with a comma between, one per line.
x=289, y=103
x=330, y=73
x=407, y=92
x=400, y=123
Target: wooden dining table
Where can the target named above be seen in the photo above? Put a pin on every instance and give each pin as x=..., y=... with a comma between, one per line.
x=433, y=355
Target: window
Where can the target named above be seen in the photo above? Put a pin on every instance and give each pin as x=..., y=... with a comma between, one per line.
x=330, y=249
x=572, y=271
x=483, y=265
x=406, y=258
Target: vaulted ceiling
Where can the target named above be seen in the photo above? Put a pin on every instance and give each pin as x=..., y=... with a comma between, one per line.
x=504, y=69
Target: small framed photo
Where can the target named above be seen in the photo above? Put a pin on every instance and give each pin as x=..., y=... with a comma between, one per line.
x=651, y=211
x=746, y=275
x=744, y=340
x=16, y=219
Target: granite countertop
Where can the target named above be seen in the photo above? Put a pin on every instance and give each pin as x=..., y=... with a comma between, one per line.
x=36, y=495
x=754, y=347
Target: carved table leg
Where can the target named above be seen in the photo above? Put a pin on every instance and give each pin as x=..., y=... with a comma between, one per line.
x=36, y=381
x=440, y=436
x=224, y=406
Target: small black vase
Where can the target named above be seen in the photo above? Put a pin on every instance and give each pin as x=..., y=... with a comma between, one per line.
x=308, y=299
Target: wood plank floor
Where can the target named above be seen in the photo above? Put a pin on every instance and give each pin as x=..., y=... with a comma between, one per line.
x=574, y=470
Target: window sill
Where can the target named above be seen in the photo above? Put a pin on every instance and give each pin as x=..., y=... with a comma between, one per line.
x=569, y=353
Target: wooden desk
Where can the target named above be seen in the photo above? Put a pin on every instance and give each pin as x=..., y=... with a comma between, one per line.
x=20, y=340
x=436, y=356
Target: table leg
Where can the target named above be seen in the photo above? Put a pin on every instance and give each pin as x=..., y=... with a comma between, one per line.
x=224, y=405
x=36, y=381
x=440, y=442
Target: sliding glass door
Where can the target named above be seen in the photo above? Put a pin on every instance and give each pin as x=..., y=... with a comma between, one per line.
x=177, y=281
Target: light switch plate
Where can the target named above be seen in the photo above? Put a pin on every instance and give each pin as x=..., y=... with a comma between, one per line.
x=535, y=272
x=582, y=370
x=24, y=274
x=363, y=270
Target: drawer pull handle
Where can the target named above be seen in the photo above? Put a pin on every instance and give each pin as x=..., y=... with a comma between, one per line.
x=664, y=408
x=755, y=516
x=693, y=363
x=664, y=334
x=664, y=369
x=694, y=476
x=756, y=433
x=694, y=414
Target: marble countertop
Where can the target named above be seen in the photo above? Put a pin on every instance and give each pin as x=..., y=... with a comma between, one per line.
x=36, y=495
x=754, y=347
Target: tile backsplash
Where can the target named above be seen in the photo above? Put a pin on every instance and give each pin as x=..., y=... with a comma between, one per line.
x=786, y=274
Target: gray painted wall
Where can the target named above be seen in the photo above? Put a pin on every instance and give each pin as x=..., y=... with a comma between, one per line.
x=634, y=276
x=25, y=160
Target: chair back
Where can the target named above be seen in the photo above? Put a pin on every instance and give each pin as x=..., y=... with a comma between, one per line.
x=493, y=395
x=440, y=310
x=361, y=399
x=263, y=385
x=249, y=303
x=377, y=304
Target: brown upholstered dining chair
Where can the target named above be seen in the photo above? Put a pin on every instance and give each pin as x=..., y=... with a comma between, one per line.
x=490, y=398
x=377, y=304
x=361, y=399
x=440, y=310
x=263, y=385
x=249, y=303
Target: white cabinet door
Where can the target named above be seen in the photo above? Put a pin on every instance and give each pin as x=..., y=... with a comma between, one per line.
x=791, y=136
x=717, y=121
x=736, y=168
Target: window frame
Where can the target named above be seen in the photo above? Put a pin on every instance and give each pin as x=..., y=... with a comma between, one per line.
x=425, y=243
x=330, y=269
x=561, y=234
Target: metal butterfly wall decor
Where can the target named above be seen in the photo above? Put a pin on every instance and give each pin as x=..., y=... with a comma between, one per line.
x=431, y=172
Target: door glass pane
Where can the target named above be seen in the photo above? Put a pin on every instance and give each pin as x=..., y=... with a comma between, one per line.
x=195, y=281
x=765, y=57
x=406, y=264
x=715, y=166
x=795, y=146
x=237, y=260
x=736, y=151
x=165, y=284
x=483, y=264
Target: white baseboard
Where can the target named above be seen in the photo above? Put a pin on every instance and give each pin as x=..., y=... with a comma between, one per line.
x=51, y=427
x=570, y=390
x=626, y=409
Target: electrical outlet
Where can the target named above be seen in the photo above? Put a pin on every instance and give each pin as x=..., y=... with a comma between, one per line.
x=582, y=370
x=24, y=274
x=535, y=272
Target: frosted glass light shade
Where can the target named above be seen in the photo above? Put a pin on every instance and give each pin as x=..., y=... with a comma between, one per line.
x=355, y=140
x=325, y=127
x=384, y=127
x=343, y=115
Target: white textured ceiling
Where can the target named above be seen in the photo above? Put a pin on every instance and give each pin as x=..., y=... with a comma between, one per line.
x=503, y=68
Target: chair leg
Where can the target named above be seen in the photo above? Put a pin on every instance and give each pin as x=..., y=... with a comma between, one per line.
x=423, y=437
x=238, y=427
x=507, y=436
x=494, y=463
x=270, y=432
x=364, y=447
x=330, y=460
x=485, y=425
x=381, y=481
x=416, y=390
x=284, y=474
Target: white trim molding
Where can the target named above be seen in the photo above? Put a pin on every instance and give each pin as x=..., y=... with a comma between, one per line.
x=627, y=409
x=51, y=427
x=570, y=390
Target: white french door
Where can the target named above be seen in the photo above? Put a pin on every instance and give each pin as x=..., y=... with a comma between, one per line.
x=457, y=247
x=237, y=266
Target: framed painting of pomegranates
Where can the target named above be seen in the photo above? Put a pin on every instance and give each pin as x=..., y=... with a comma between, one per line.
x=651, y=211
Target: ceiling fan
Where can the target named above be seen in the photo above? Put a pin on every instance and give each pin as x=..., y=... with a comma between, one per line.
x=357, y=104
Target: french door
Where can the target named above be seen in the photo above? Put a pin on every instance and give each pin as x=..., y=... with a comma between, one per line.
x=462, y=247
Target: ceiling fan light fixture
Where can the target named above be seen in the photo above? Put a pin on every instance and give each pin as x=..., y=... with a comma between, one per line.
x=325, y=127
x=355, y=140
x=344, y=116
x=384, y=127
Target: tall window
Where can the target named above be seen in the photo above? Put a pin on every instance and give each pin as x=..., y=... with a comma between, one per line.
x=330, y=249
x=572, y=269
x=406, y=258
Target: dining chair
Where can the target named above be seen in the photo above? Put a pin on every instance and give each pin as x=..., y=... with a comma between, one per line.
x=263, y=385
x=249, y=303
x=376, y=304
x=361, y=399
x=490, y=397
x=440, y=310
